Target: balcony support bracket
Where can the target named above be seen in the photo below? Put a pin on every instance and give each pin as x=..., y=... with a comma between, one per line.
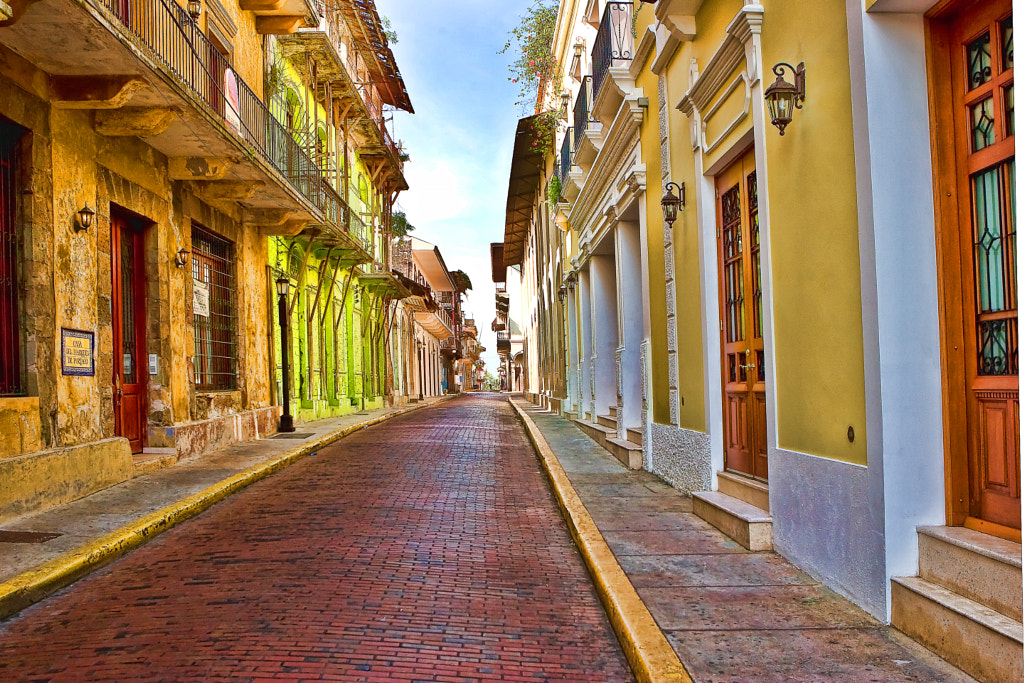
x=277, y=25
x=92, y=92
x=141, y=122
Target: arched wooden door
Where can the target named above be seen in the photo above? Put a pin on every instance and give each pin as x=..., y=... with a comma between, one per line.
x=973, y=48
x=739, y=276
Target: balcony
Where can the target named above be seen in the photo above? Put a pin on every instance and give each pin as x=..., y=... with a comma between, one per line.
x=565, y=156
x=504, y=341
x=614, y=43
x=581, y=110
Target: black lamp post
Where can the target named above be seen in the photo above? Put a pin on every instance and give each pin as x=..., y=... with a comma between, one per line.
x=286, y=424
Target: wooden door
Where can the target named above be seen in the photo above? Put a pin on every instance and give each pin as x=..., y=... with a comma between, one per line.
x=739, y=276
x=128, y=313
x=981, y=59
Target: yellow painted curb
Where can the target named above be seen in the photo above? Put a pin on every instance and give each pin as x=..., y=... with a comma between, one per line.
x=32, y=586
x=647, y=650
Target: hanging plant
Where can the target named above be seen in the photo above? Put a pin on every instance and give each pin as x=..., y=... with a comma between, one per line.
x=554, y=190
x=534, y=69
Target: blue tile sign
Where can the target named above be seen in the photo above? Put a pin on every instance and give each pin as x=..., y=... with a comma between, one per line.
x=76, y=352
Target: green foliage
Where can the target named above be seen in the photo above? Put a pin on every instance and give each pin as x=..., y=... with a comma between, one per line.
x=461, y=280
x=534, y=68
x=554, y=190
x=389, y=32
x=400, y=226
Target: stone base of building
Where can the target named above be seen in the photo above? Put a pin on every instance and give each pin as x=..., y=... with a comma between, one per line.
x=195, y=438
x=681, y=457
x=44, y=479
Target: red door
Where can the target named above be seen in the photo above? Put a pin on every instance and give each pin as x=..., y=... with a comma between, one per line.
x=739, y=270
x=129, y=322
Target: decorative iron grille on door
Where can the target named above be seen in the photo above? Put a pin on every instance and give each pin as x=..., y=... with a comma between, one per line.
x=214, y=310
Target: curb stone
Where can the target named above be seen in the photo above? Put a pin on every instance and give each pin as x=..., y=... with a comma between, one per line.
x=647, y=650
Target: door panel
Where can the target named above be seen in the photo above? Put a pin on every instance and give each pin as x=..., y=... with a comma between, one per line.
x=742, y=322
x=128, y=294
x=981, y=62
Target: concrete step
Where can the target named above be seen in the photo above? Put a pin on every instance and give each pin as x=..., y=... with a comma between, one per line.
x=607, y=421
x=978, y=639
x=983, y=568
x=635, y=436
x=745, y=488
x=628, y=453
x=153, y=459
x=595, y=431
x=748, y=525
x=613, y=411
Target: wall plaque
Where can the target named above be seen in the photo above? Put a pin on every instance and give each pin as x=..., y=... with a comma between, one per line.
x=76, y=352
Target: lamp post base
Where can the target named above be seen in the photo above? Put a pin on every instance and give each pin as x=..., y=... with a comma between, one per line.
x=285, y=425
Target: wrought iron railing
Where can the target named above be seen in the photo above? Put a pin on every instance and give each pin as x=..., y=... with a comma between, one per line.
x=614, y=42
x=581, y=111
x=565, y=157
x=175, y=39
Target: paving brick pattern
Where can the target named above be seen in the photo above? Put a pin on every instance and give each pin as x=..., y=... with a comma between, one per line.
x=426, y=549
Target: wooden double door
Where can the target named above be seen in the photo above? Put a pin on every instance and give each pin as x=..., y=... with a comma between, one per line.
x=739, y=276
x=972, y=47
x=128, y=320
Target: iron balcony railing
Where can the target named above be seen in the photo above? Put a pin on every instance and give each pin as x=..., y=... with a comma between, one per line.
x=565, y=157
x=176, y=40
x=614, y=42
x=581, y=111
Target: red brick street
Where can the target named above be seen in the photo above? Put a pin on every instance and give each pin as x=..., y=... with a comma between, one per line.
x=428, y=548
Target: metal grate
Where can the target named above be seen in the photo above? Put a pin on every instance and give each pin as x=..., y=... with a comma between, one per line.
x=12, y=381
x=213, y=270
x=26, y=536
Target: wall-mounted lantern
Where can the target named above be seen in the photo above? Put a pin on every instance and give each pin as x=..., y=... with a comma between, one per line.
x=570, y=281
x=195, y=8
x=565, y=105
x=181, y=258
x=783, y=97
x=670, y=203
x=561, y=295
x=84, y=215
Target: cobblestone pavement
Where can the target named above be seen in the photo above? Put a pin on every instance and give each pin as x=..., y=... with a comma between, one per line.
x=425, y=549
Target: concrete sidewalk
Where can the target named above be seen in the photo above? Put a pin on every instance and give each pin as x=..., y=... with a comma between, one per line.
x=86, y=534
x=728, y=613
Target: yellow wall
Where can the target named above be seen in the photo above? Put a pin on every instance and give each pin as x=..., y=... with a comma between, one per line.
x=814, y=238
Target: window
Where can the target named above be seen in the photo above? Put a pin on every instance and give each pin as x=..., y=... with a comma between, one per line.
x=214, y=310
x=12, y=380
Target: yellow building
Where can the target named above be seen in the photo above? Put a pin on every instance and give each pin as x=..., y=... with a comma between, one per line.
x=821, y=345
x=146, y=159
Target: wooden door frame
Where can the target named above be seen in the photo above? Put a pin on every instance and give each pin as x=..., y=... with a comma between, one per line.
x=951, y=192
x=137, y=225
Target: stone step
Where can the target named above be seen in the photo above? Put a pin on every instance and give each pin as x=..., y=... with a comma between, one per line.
x=607, y=421
x=745, y=488
x=635, y=436
x=595, y=431
x=153, y=459
x=628, y=453
x=613, y=411
x=983, y=568
x=748, y=525
x=971, y=636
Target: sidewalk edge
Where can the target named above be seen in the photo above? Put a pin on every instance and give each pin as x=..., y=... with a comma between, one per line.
x=647, y=650
x=35, y=584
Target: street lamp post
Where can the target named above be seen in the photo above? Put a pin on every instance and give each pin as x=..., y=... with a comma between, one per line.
x=286, y=424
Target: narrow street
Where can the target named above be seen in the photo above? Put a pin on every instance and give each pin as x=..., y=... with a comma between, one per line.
x=427, y=548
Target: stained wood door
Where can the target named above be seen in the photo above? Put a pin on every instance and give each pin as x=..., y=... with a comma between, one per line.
x=128, y=309
x=981, y=60
x=739, y=276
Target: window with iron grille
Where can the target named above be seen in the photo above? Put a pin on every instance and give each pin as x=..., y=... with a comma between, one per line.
x=12, y=376
x=213, y=275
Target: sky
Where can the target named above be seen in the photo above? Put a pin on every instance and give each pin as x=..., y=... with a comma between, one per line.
x=460, y=138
